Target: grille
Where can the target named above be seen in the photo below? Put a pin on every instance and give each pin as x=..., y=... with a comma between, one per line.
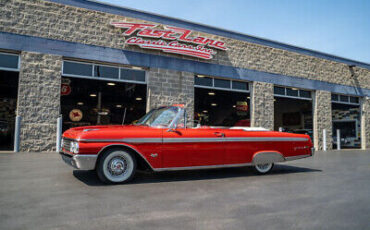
x=67, y=144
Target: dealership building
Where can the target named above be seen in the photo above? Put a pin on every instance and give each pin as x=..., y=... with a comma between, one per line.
x=94, y=64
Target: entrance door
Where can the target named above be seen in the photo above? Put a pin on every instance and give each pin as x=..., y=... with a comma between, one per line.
x=8, y=106
x=192, y=147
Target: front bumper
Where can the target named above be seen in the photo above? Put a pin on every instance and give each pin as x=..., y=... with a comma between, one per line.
x=82, y=162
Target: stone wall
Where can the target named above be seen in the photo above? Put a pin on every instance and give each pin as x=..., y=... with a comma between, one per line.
x=365, y=123
x=262, y=103
x=322, y=119
x=55, y=21
x=39, y=100
x=168, y=87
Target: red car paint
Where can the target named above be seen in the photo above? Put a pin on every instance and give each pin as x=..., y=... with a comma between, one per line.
x=186, y=154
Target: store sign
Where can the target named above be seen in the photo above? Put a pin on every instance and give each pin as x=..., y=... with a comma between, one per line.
x=65, y=89
x=75, y=115
x=169, y=39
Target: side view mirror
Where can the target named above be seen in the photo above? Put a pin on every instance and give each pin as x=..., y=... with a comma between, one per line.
x=171, y=130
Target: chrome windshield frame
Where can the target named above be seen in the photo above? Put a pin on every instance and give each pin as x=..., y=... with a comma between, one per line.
x=174, y=123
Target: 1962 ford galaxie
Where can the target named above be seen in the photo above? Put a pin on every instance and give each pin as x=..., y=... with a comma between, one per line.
x=161, y=141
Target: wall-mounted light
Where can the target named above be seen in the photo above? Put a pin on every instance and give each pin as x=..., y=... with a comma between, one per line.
x=136, y=67
x=92, y=95
x=138, y=99
x=119, y=106
x=111, y=83
x=205, y=111
x=234, y=106
x=213, y=104
x=200, y=76
x=80, y=103
x=294, y=88
x=211, y=93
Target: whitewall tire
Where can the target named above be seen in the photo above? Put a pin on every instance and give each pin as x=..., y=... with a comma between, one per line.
x=116, y=166
x=264, y=168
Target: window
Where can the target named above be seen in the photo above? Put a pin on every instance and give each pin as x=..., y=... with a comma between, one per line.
x=305, y=93
x=76, y=68
x=219, y=83
x=239, y=85
x=9, y=61
x=204, y=81
x=223, y=84
x=132, y=75
x=354, y=100
x=91, y=70
x=279, y=90
x=345, y=99
x=292, y=92
x=106, y=72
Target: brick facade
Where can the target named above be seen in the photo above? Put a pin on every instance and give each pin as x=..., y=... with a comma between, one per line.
x=322, y=119
x=365, y=123
x=61, y=22
x=262, y=102
x=168, y=87
x=39, y=100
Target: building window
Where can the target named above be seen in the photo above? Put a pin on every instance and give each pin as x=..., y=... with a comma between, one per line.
x=9, y=62
x=345, y=99
x=292, y=92
x=202, y=81
x=240, y=85
x=106, y=72
x=132, y=75
x=281, y=91
x=77, y=69
x=219, y=83
x=91, y=70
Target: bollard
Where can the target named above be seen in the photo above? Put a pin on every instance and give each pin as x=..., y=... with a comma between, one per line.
x=17, y=133
x=338, y=139
x=324, y=139
x=59, y=133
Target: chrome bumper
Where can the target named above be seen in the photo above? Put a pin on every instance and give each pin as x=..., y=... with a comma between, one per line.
x=83, y=162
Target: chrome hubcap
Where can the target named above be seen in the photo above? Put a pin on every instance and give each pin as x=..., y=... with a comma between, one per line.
x=117, y=166
x=263, y=166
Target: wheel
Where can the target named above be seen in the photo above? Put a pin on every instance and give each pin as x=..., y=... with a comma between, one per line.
x=116, y=166
x=264, y=168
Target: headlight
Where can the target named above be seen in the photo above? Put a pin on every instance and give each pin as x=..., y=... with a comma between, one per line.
x=74, y=147
x=62, y=143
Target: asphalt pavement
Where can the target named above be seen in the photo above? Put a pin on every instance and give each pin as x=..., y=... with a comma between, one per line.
x=328, y=191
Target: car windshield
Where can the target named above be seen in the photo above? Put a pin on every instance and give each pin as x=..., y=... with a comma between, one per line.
x=161, y=117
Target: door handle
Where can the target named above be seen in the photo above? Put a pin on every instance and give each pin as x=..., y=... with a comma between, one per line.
x=219, y=134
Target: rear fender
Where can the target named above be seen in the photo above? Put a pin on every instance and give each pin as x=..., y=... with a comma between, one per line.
x=269, y=156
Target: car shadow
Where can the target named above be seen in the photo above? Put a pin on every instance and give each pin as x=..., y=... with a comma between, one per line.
x=90, y=178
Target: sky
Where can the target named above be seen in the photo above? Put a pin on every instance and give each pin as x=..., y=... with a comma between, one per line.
x=338, y=27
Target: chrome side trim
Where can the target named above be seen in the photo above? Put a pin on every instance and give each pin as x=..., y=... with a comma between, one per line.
x=261, y=139
x=201, y=167
x=126, y=140
x=198, y=140
x=297, y=157
x=118, y=145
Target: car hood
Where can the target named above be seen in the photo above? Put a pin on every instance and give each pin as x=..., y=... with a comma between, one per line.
x=111, y=132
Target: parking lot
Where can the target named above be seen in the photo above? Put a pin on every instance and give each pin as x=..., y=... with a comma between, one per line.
x=329, y=191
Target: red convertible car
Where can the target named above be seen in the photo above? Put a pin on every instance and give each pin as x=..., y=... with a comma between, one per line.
x=161, y=141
